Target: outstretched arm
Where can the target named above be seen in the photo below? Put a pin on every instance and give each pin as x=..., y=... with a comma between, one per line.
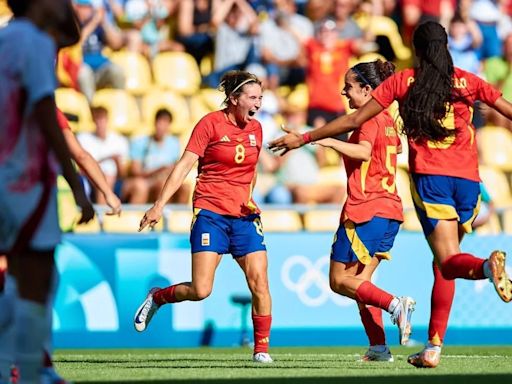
x=340, y=125
x=503, y=107
x=172, y=184
x=357, y=151
x=93, y=171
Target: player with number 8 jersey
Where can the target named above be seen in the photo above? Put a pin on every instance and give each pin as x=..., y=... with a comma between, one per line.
x=226, y=144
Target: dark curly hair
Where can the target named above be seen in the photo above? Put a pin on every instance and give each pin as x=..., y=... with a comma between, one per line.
x=373, y=73
x=424, y=106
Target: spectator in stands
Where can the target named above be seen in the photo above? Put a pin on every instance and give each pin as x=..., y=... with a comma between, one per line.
x=152, y=159
x=347, y=27
x=109, y=149
x=236, y=25
x=151, y=26
x=97, y=71
x=487, y=14
x=317, y=10
x=464, y=39
x=194, y=18
x=280, y=43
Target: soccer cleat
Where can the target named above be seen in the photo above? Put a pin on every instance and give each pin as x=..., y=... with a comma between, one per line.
x=146, y=311
x=373, y=355
x=262, y=357
x=401, y=316
x=499, y=277
x=427, y=358
x=50, y=376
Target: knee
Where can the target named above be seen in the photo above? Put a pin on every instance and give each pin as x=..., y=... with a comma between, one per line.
x=337, y=284
x=201, y=292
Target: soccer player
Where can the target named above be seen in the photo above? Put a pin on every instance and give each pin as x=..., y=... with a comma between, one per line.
x=436, y=102
x=227, y=144
x=371, y=215
x=29, y=229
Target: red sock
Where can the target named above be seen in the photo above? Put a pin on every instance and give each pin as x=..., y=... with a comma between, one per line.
x=371, y=318
x=165, y=295
x=47, y=360
x=369, y=294
x=261, y=326
x=463, y=265
x=440, y=306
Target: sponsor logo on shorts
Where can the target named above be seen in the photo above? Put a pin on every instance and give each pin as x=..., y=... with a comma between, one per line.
x=205, y=239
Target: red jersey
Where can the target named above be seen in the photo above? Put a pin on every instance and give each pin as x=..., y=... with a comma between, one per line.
x=228, y=156
x=456, y=155
x=62, y=120
x=371, y=185
x=324, y=73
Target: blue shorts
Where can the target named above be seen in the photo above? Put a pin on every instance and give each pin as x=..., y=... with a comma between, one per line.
x=439, y=197
x=239, y=236
x=360, y=242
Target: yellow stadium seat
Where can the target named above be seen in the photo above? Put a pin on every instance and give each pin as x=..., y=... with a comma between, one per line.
x=495, y=145
x=128, y=222
x=385, y=26
x=68, y=212
x=157, y=99
x=365, y=58
x=198, y=109
x=332, y=175
x=212, y=98
x=299, y=97
x=177, y=71
x=497, y=185
x=136, y=69
x=123, y=112
x=492, y=227
x=403, y=187
x=281, y=221
x=70, y=101
x=179, y=221
x=321, y=220
x=507, y=221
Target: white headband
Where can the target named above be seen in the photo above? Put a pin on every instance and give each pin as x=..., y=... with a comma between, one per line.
x=237, y=87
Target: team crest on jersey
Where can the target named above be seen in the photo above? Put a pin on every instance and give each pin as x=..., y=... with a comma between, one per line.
x=252, y=140
x=205, y=239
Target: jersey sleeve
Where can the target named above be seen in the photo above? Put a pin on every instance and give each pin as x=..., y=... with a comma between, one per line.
x=369, y=131
x=485, y=91
x=200, y=137
x=386, y=92
x=38, y=73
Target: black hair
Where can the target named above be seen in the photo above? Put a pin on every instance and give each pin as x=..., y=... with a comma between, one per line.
x=373, y=73
x=162, y=112
x=98, y=111
x=424, y=106
x=232, y=83
x=19, y=7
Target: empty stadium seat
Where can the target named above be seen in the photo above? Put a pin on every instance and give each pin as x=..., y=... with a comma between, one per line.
x=495, y=145
x=212, y=98
x=128, y=222
x=67, y=210
x=123, y=112
x=497, y=185
x=322, y=220
x=179, y=221
x=92, y=226
x=136, y=70
x=299, y=97
x=507, y=221
x=332, y=175
x=177, y=71
x=75, y=103
x=157, y=99
x=281, y=221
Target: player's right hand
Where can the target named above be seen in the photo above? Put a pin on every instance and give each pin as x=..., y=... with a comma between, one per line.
x=291, y=140
x=151, y=218
x=114, y=203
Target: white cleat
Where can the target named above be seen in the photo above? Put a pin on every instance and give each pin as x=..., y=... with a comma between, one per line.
x=146, y=311
x=401, y=316
x=373, y=355
x=262, y=357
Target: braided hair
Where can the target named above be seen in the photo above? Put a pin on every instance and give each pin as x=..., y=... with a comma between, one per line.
x=373, y=73
x=424, y=106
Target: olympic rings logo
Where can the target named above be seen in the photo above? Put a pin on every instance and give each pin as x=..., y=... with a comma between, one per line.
x=308, y=280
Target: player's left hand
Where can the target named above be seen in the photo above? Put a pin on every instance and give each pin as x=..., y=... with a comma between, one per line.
x=291, y=140
x=151, y=218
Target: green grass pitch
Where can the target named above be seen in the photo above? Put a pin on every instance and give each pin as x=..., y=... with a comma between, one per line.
x=465, y=365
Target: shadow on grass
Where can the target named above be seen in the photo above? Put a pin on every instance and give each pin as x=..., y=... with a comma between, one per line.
x=430, y=379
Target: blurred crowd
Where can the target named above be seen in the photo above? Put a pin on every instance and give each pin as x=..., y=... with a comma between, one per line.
x=145, y=72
